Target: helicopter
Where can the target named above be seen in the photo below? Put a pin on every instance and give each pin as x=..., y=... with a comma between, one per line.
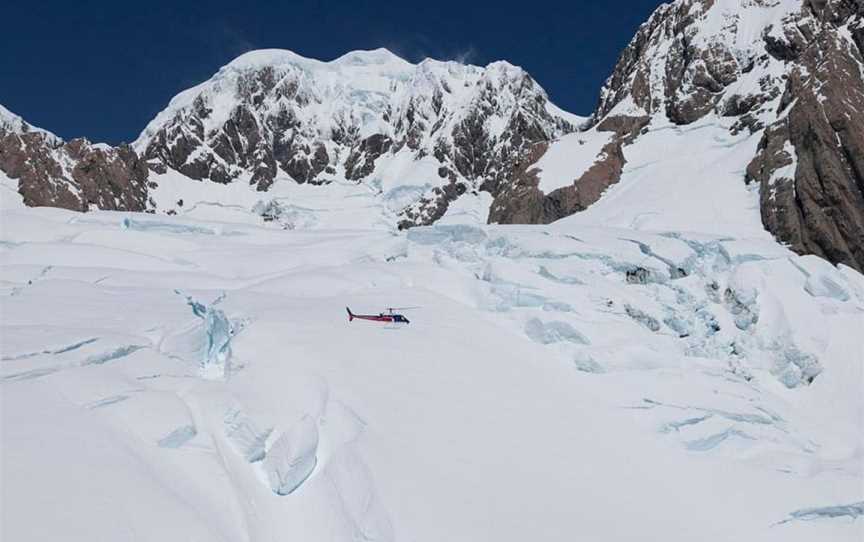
x=390, y=316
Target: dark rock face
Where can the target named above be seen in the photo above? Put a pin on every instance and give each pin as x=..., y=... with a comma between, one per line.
x=361, y=161
x=800, y=86
x=74, y=175
x=429, y=209
x=810, y=163
x=671, y=67
x=521, y=202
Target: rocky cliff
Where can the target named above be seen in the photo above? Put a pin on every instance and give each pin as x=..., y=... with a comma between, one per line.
x=74, y=175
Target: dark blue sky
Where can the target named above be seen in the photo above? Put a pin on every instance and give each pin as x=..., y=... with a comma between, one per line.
x=104, y=69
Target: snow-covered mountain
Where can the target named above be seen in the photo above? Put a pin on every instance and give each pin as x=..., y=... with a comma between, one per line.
x=421, y=135
x=710, y=95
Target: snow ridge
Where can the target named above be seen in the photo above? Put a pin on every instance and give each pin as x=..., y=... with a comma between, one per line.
x=12, y=123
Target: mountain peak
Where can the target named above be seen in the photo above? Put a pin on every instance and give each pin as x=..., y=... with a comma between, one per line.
x=428, y=133
x=262, y=58
x=10, y=122
x=380, y=56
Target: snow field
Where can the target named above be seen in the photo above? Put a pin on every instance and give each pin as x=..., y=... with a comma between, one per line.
x=555, y=380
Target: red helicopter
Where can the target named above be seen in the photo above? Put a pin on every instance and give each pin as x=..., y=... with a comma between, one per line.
x=390, y=316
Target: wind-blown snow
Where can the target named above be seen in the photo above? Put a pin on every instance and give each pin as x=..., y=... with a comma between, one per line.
x=558, y=382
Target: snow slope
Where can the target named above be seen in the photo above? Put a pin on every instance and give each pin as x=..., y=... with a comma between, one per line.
x=680, y=178
x=569, y=157
x=171, y=378
x=339, y=204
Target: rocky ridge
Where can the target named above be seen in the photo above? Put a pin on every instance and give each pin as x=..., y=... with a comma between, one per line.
x=76, y=175
x=273, y=113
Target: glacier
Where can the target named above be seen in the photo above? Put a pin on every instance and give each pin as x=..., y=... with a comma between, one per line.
x=544, y=373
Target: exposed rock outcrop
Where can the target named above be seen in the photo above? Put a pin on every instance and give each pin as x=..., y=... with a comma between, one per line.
x=789, y=71
x=810, y=163
x=522, y=202
x=76, y=175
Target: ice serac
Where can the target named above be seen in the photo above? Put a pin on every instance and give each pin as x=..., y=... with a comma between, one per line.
x=444, y=128
x=75, y=175
x=292, y=458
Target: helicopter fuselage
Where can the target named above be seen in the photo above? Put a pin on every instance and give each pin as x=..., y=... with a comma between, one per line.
x=380, y=317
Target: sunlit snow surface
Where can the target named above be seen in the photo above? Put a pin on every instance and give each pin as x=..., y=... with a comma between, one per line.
x=559, y=383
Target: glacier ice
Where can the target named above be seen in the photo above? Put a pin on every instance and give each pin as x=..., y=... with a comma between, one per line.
x=111, y=355
x=743, y=307
x=31, y=374
x=292, y=458
x=642, y=317
x=454, y=233
x=107, y=401
x=246, y=425
x=682, y=326
x=793, y=366
x=242, y=431
x=586, y=363
x=211, y=341
x=712, y=441
x=57, y=351
x=675, y=271
x=678, y=424
x=219, y=332
x=164, y=227
x=553, y=332
x=545, y=273
x=178, y=437
x=825, y=285
x=509, y=296
x=854, y=511
x=290, y=217
x=75, y=346
x=557, y=306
